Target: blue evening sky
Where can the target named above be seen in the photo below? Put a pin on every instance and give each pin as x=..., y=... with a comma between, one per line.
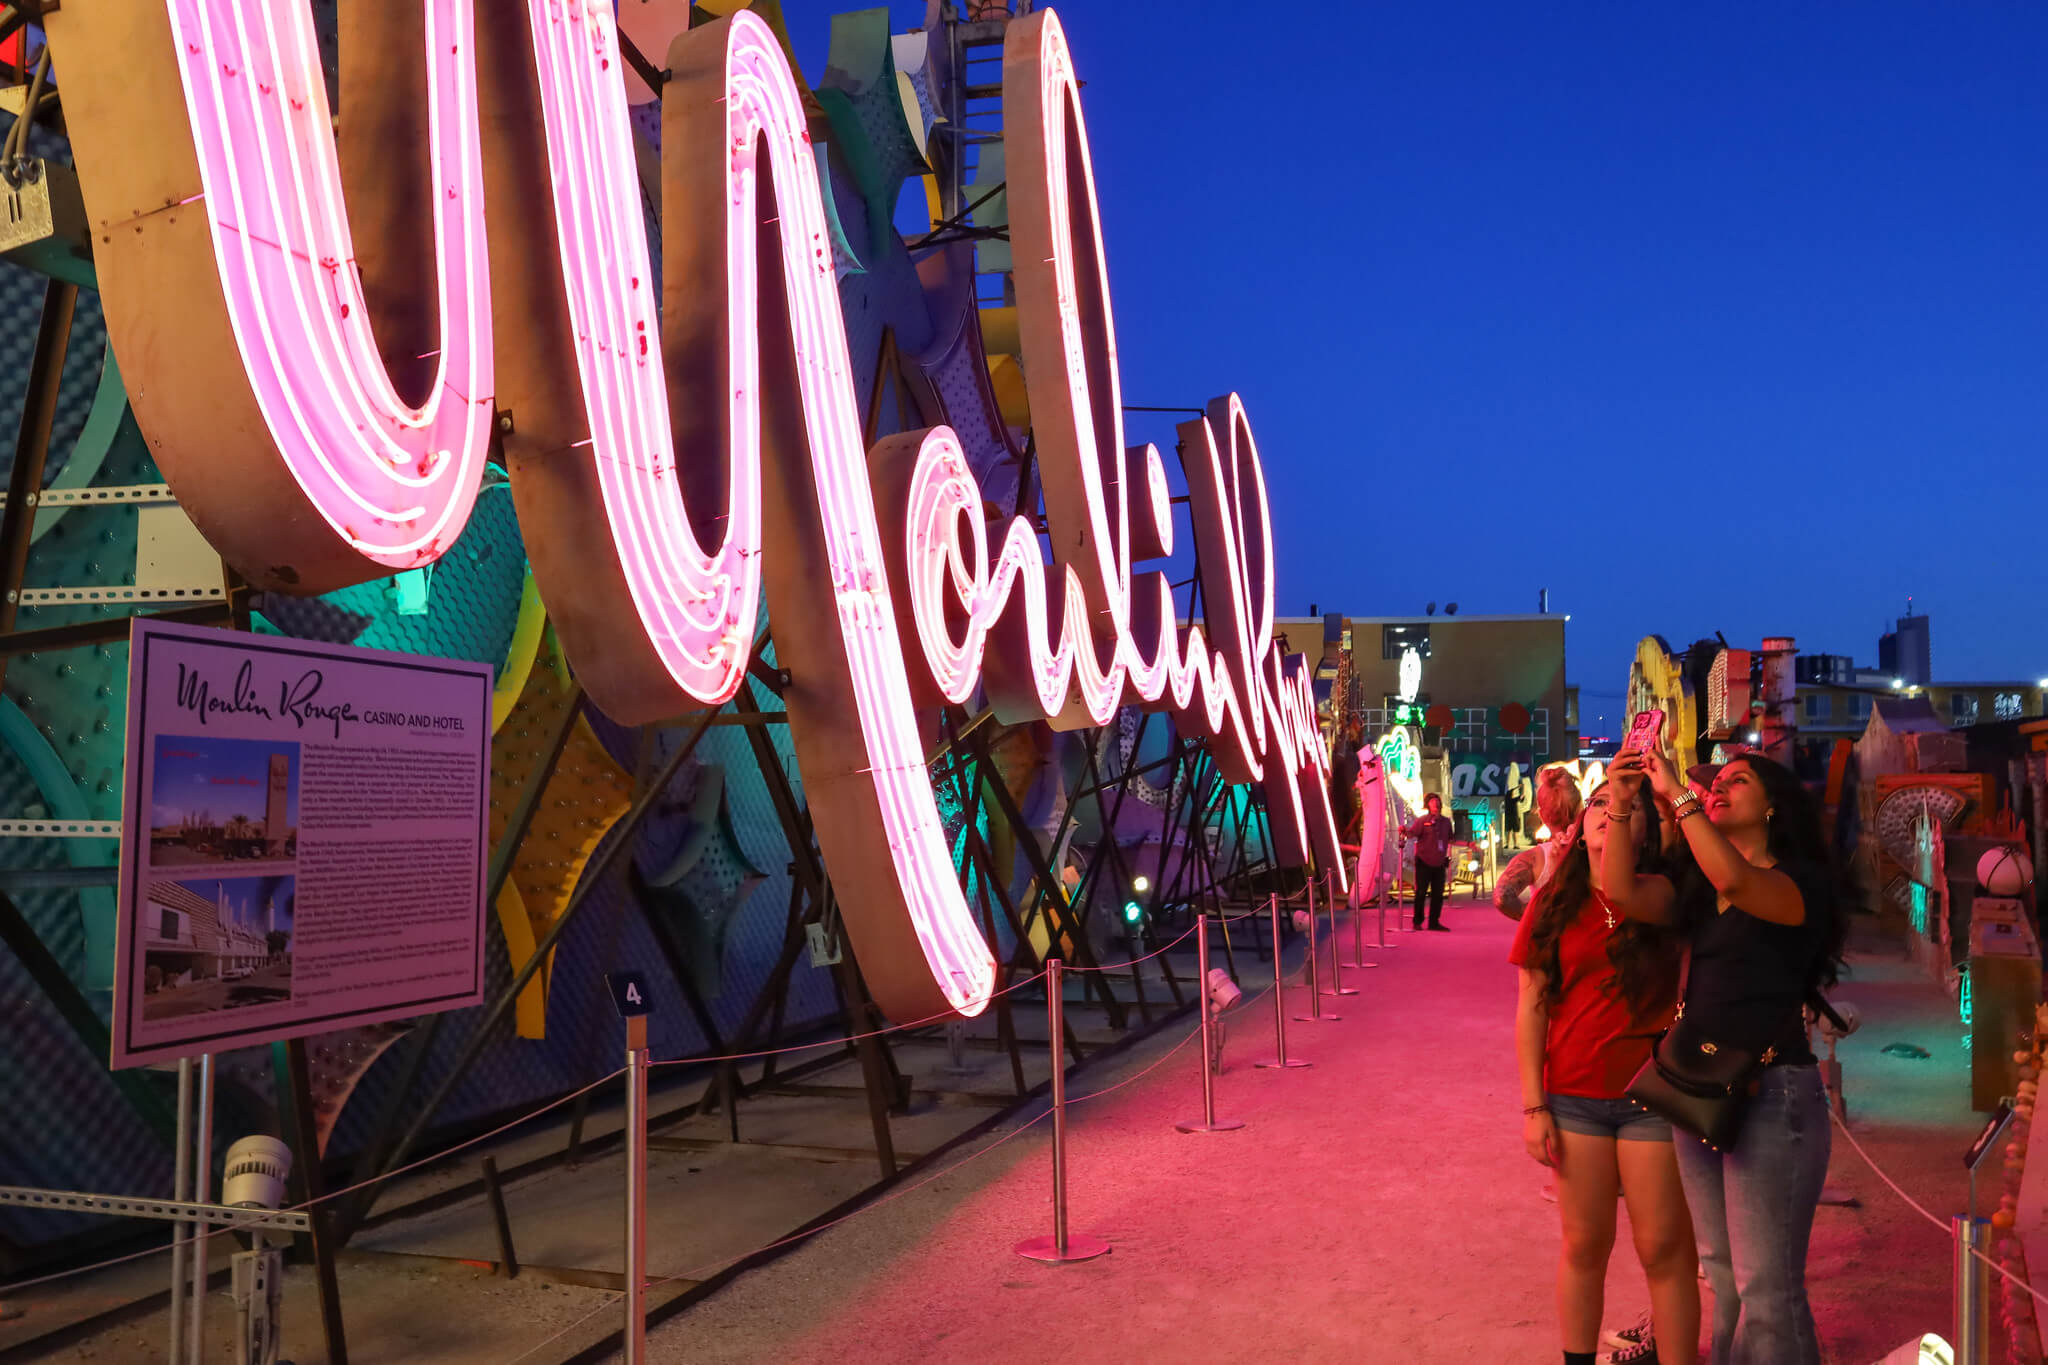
x=225, y=777
x=1723, y=317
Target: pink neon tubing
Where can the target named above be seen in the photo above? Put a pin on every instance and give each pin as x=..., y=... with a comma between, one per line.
x=395, y=482
x=700, y=608
x=1265, y=698
x=1059, y=98
x=698, y=605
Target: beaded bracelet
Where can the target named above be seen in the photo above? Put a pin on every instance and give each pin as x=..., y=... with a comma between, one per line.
x=1536, y=1109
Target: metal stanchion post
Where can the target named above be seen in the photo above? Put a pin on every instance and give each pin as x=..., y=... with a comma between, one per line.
x=636, y=1190
x=1062, y=1245
x=1358, y=928
x=181, y=1190
x=1281, y=1061
x=202, y=1193
x=1209, y=1123
x=1337, y=986
x=1973, y=1306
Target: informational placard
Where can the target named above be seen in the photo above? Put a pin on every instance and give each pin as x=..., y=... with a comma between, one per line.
x=303, y=840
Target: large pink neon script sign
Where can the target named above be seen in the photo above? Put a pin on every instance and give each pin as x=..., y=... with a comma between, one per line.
x=229, y=274
x=661, y=459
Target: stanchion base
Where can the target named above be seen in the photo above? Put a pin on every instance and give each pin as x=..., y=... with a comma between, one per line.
x=1284, y=1064
x=1364, y=966
x=1318, y=1018
x=1219, y=1126
x=1080, y=1247
x=1341, y=990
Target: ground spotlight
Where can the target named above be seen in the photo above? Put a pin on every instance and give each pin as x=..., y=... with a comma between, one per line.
x=1928, y=1350
x=1133, y=912
x=1141, y=883
x=255, y=1174
x=1223, y=992
x=1753, y=736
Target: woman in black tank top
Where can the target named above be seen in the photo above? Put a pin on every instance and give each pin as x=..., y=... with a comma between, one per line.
x=1765, y=926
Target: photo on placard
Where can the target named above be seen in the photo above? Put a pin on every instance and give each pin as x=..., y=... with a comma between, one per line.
x=214, y=801
x=216, y=943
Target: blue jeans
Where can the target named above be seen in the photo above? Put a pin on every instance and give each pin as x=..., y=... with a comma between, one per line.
x=1752, y=1209
x=1622, y=1120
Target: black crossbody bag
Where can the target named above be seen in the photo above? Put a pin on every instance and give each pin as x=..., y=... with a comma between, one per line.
x=1699, y=1083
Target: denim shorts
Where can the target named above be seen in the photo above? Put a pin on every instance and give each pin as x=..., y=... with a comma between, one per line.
x=1622, y=1119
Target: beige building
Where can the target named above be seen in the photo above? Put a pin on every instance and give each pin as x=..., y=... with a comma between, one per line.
x=1474, y=665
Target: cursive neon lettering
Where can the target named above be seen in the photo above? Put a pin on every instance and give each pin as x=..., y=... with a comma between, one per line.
x=651, y=498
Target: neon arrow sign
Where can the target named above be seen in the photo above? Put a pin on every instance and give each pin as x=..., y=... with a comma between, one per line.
x=660, y=459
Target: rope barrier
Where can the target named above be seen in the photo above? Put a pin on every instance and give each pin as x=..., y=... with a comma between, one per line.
x=1919, y=1208
x=1125, y=966
x=1166, y=1056
x=847, y=1038
x=610, y=1304
x=198, y=1239
x=698, y=1271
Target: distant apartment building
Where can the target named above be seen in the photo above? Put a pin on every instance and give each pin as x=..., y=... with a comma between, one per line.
x=1719, y=697
x=1906, y=652
x=1835, y=693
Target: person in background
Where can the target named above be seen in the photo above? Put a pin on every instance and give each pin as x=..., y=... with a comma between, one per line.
x=1557, y=806
x=1760, y=910
x=1596, y=990
x=1432, y=836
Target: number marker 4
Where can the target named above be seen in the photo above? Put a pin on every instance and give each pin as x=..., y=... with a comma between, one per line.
x=629, y=993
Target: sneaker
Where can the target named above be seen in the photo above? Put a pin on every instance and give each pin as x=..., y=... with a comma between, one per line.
x=1438, y=929
x=1637, y=1331
x=1637, y=1353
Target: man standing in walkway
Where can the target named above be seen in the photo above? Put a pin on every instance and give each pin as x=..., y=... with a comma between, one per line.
x=1432, y=836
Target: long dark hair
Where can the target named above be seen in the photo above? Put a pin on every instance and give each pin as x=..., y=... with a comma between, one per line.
x=1795, y=834
x=1642, y=956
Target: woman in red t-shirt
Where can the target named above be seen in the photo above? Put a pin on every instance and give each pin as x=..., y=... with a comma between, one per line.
x=1596, y=989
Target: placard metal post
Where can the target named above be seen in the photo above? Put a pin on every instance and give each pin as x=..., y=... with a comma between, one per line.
x=181, y=1190
x=202, y=1193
